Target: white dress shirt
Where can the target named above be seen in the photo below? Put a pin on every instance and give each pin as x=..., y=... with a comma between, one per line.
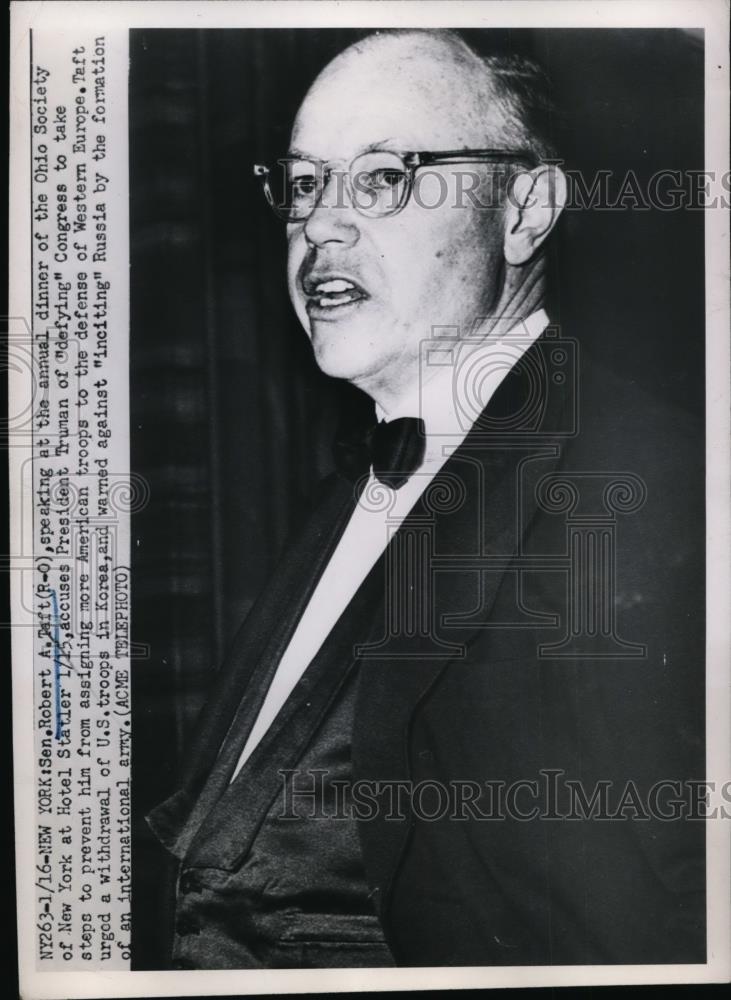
x=458, y=378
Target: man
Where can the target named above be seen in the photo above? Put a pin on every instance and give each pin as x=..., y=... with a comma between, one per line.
x=440, y=735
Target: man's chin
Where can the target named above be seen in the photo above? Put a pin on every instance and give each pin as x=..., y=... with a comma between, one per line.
x=341, y=357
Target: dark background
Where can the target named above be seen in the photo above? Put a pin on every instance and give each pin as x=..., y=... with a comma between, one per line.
x=231, y=421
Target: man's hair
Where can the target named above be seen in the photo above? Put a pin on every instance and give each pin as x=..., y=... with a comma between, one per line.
x=521, y=89
x=526, y=93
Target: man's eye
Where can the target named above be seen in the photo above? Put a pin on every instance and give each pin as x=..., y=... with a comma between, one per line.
x=384, y=178
x=303, y=187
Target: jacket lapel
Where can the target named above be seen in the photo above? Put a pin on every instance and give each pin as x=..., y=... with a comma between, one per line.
x=227, y=832
x=443, y=570
x=228, y=716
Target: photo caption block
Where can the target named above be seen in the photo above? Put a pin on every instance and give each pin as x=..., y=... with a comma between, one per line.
x=82, y=497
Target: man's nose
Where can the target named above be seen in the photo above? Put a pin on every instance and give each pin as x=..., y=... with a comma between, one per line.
x=333, y=219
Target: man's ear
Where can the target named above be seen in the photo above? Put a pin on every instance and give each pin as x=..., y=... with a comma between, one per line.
x=534, y=202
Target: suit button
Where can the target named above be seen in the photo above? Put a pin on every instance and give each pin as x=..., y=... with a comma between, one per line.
x=186, y=925
x=184, y=963
x=189, y=882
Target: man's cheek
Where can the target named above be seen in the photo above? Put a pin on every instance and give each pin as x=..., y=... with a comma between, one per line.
x=296, y=250
x=431, y=191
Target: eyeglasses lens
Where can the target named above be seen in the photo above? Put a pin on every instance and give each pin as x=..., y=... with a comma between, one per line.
x=378, y=185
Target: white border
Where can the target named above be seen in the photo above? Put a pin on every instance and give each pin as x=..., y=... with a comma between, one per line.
x=710, y=15
x=378, y=13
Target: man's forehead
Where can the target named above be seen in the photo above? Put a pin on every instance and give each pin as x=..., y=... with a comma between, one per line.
x=410, y=92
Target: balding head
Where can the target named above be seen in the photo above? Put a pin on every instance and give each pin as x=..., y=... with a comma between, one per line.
x=407, y=75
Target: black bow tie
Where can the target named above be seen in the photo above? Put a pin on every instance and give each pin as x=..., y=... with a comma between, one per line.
x=394, y=449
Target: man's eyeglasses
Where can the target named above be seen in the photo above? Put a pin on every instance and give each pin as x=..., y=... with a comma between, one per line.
x=379, y=182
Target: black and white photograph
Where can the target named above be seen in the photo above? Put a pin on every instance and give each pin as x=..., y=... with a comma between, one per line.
x=390, y=633
x=497, y=592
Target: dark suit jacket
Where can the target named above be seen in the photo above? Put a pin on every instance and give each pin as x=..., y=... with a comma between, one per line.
x=551, y=634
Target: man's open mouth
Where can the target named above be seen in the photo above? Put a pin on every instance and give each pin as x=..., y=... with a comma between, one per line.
x=331, y=292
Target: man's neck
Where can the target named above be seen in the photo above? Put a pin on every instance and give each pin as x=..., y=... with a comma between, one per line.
x=399, y=400
x=523, y=293
x=451, y=367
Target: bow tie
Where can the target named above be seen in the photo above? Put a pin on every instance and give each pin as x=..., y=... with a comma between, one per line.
x=395, y=449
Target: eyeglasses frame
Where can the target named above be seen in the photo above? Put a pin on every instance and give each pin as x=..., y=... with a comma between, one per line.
x=413, y=161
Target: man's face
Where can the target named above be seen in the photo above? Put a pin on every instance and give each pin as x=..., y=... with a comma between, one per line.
x=416, y=270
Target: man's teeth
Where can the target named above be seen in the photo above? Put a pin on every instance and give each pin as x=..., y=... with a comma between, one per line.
x=337, y=292
x=334, y=286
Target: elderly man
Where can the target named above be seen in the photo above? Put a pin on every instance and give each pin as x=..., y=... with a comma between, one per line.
x=439, y=736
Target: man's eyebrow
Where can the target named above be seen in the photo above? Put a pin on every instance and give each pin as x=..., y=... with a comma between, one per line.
x=374, y=147
x=299, y=154
x=371, y=147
